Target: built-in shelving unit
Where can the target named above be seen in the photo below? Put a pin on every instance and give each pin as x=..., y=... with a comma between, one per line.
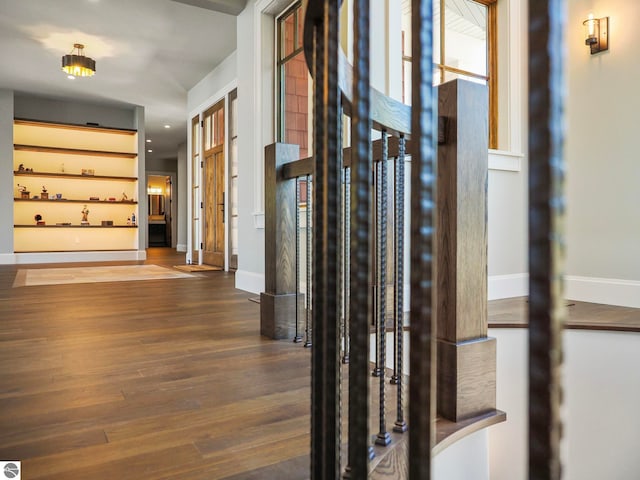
x=55, y=161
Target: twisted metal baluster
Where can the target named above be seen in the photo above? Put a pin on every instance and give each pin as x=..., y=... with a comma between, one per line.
x=546, y=237
x=297, y=338
x=307, y=333
x=347, y=260
x=325, y=367
x=360, y=271
x=394, y=377
x=341, y=241
x=341, y=301
x=400, y=425
x=378, y=367
x=422, y=385
x=383, y=437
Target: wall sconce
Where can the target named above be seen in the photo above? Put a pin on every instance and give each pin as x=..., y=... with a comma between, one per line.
x=597, y=33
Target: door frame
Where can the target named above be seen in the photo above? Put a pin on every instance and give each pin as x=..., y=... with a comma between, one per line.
x=174, y=186
x=221, y=95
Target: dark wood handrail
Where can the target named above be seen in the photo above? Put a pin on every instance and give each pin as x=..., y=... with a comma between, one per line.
x=304, y=166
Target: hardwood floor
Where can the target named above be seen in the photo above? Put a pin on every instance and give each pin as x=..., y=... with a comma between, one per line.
x=154, y=379
x=165, y=379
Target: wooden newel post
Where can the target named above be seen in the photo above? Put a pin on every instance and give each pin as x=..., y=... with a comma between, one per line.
x=466, y=356
x=278, y=302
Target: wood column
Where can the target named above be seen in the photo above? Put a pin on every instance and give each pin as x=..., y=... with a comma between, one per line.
x=278, y=302
x=466, y=356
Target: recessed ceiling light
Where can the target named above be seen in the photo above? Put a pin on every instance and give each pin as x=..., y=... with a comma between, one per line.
x=149, y=150
x=167, y=126
x=71, y=77
x=148, y=140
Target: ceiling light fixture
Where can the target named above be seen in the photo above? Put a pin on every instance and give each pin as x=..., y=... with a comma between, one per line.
x=77, y=64
x=148, y=140
x=167, y=126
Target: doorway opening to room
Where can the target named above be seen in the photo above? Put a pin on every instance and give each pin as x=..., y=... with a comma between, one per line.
x=160, y=207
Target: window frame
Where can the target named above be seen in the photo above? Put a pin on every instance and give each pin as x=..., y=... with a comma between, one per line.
x=492, y=62
x=296, y=10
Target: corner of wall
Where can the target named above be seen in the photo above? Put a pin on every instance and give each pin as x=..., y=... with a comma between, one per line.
x=6, y=167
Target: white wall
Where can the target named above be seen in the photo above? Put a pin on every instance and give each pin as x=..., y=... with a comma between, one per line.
x=466, y=459
x=6, y=179
x=256, y=121
x=603, y=194
x=181, y=240
x=65, y=111
x=602, y=394
x=143, y=207
x=199, y=97
x=507, y=203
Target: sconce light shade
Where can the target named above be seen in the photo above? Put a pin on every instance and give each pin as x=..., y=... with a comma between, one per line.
x=76, y=64
x=597, y=33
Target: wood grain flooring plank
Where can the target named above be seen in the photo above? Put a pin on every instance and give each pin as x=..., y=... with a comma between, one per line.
x=41, y=447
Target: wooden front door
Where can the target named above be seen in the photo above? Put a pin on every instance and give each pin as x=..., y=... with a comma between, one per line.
x=213, y=251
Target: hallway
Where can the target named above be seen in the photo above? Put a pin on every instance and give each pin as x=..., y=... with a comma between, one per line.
x=147, y=380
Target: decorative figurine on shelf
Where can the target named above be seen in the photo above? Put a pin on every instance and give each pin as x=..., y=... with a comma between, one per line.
x=44, y=195
x=21, y=167
x=85, y=216
x=62, y=167
x=23, y=192
x=38, y=219
x=124, y=197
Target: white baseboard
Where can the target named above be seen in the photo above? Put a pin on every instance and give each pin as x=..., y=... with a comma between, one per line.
x=181, y=247
x=7, y=259
x=67, y=257
x=508, y=286
x=250, y=281
x=610, y=291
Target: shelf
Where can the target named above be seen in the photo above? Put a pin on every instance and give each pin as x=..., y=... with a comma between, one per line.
x=18, y=173
x=74, y=151
x=66, y=200
x=59, y=154
x=74, y=126
x=74, y=226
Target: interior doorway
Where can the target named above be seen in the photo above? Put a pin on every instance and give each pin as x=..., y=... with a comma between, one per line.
x=213, y=136
x=160, y=207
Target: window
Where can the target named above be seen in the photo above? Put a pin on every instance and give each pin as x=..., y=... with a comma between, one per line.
x=293, y=83
x=465, y=46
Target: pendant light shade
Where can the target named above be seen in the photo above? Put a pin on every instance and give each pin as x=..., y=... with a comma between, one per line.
x=77, y=64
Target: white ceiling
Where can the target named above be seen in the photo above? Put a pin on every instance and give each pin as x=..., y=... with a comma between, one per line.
x=147, y=52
